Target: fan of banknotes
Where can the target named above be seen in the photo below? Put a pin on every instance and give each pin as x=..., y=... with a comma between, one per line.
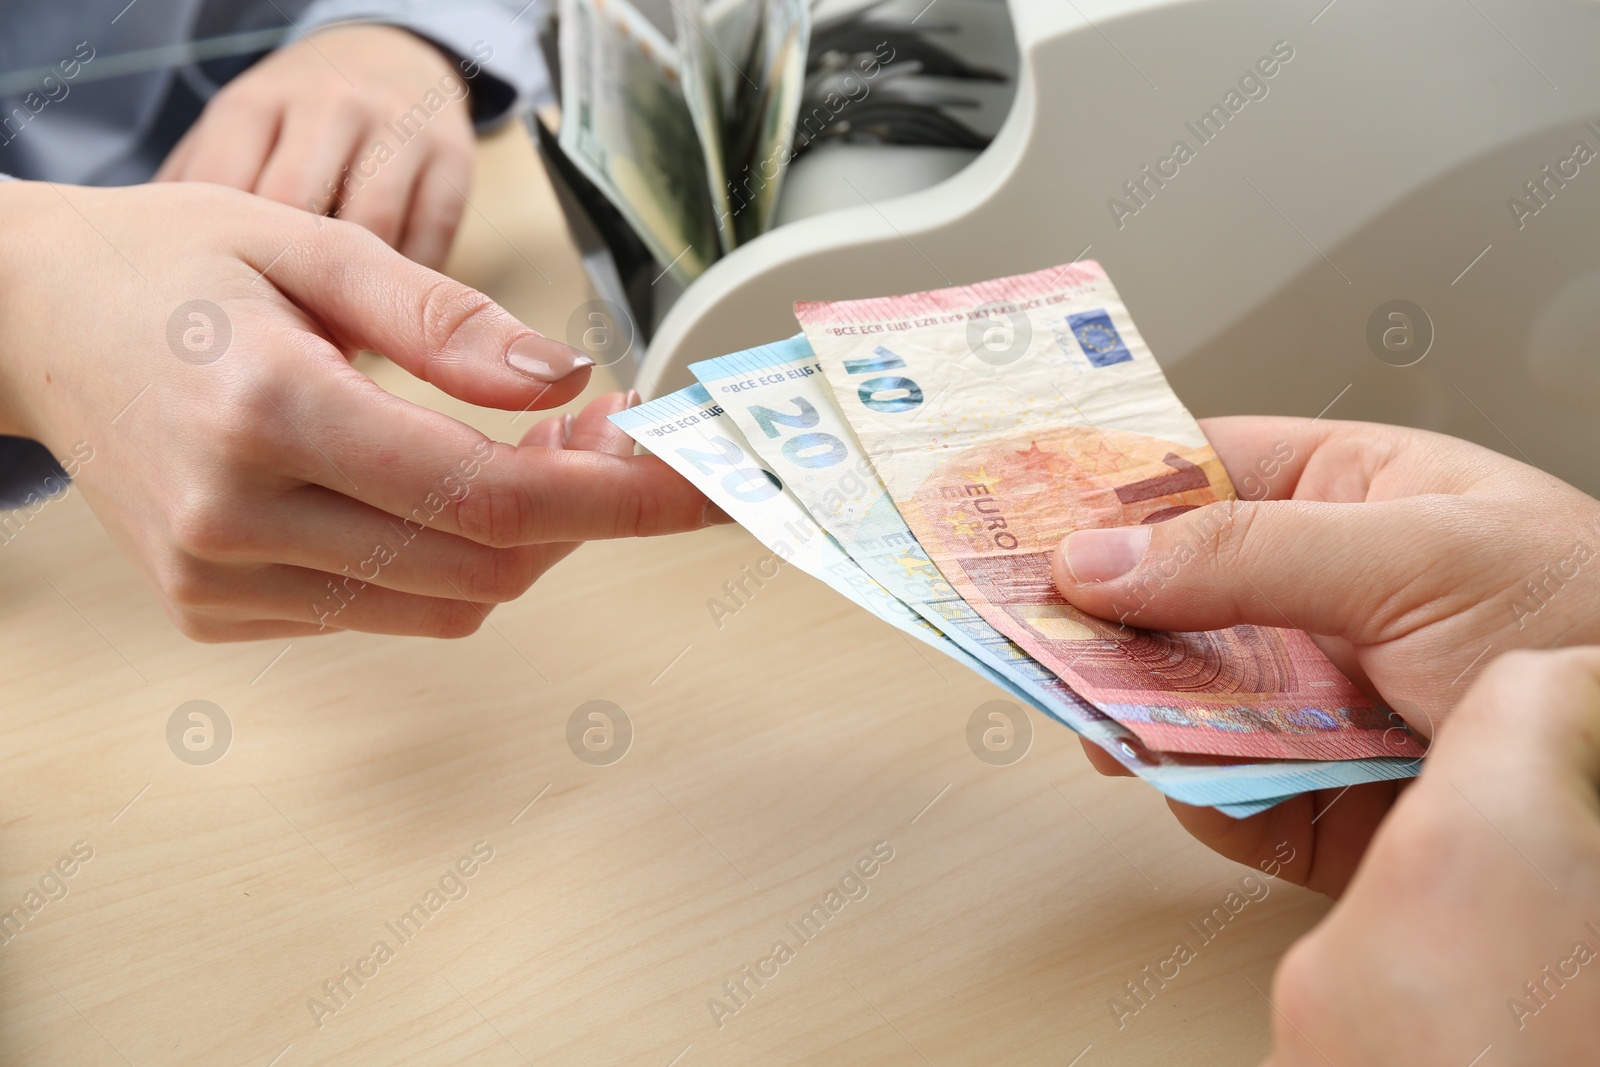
x=924, y=455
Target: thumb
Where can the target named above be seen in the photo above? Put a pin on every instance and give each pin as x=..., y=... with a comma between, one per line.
x=1527, y=735
x=1331, y=569
x=369, y=296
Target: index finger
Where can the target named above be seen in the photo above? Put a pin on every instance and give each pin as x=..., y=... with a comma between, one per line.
x=547, y=495
x=364, y=294
x=1265, y=455
x=426, y=468
x=1280, y=458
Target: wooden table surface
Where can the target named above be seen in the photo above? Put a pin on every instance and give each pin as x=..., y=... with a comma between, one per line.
x=232, y=912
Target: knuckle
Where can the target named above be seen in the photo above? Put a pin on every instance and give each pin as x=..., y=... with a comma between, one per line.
x=202, y=527
x=197, y=627
x=496, y=517
x=621, y=506
x=442, y=202
x=349, y=239
x=199, y=527
x=244, y=421
x=236, y=434
x=351, y=107
x=1233, y=546
x=380, y=216
x=1297, y=987
x=281, y=187
x=440, y=217
x=455, y=147
x=452, y=619
x=447, y=308
x=624, y=518
x=1431, y=848
x=642, y=514
x=497, y=576
x=186, y=585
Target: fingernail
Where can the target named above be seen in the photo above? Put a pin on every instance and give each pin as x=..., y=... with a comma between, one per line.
x=714, y=516
x=566, y=428
x=631, y=400
x=544, y=359
x=1101, y=555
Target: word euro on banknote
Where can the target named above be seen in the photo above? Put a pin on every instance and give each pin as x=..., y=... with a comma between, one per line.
x=625, y=123
x=994, y=451
x=777, y=396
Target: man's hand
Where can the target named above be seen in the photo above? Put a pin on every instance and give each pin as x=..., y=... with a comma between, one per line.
x=1473, y=924
x=366, y=122
x=194, y=341
x=1415, y=556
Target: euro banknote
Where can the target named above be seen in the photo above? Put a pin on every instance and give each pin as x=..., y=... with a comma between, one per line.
x=779, y=401
x=1005, y=415
x=695, y=437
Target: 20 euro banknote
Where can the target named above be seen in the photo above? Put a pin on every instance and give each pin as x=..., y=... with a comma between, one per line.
x=695, y=437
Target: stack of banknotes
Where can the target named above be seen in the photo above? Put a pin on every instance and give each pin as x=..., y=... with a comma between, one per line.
x=924, y=455
x=689, y=141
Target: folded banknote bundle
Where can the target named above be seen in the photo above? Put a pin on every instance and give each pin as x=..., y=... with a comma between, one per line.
x=946, y=442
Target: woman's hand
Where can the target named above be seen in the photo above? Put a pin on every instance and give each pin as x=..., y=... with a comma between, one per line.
x=367, y=122
x=1415, y=556
x=1473, y=923
x=192, y=341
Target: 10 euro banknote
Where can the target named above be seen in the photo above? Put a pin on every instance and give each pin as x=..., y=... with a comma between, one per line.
x=991, y=463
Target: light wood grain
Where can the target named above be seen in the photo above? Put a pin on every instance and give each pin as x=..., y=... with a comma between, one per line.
x=769, y=754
